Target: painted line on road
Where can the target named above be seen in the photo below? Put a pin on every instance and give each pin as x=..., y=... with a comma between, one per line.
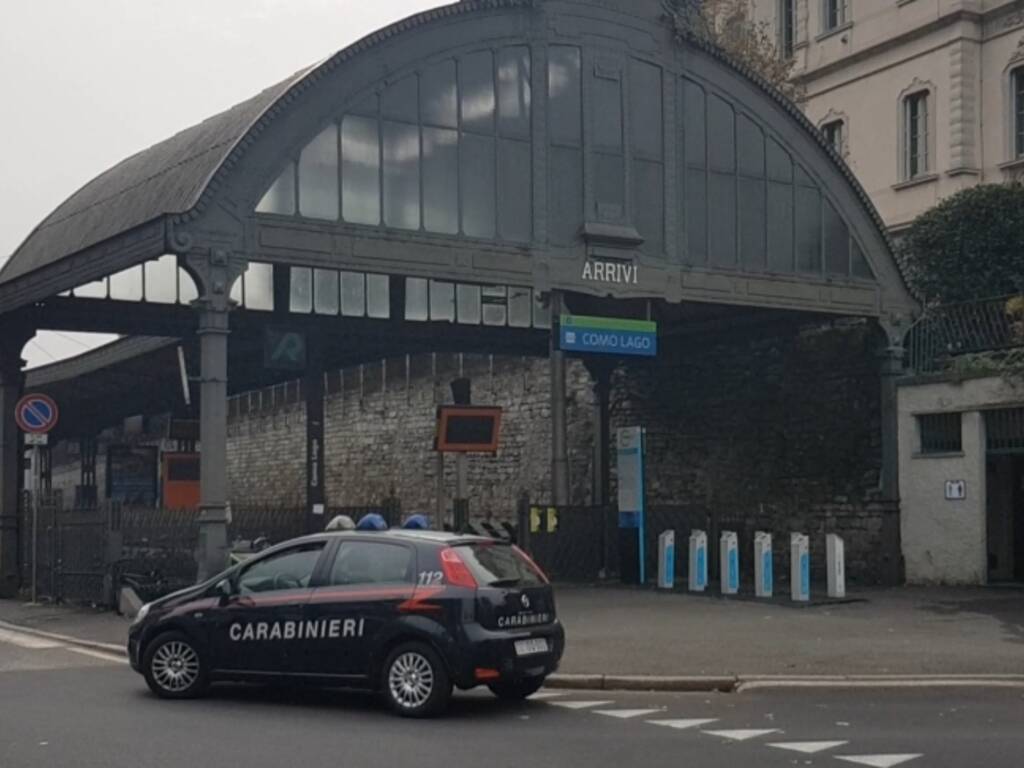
x=580, y=704
x=743, y=734
x=97, y=654
x=808, y=747
x=878, y=761
x=542, y=695
x=626, y=714
x=682, y=725
x=23, y=640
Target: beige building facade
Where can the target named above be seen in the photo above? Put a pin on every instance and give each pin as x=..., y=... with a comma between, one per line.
x=961, y=457
x=922, y=97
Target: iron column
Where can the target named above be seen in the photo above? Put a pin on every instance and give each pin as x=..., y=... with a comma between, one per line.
x=11, y=382
x=559, y=439
x=214, y=275
x=892, y=368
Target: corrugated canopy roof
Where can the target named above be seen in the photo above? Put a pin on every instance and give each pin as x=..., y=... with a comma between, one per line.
x=167, y=178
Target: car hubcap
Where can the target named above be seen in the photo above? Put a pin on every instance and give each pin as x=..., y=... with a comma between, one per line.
x=175, y=666
x=411, y=680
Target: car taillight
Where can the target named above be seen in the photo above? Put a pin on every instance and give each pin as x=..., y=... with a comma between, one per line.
x=456, y=572
x=529, y=560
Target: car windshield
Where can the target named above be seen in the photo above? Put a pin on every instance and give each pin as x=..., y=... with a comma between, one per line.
x=499, y=565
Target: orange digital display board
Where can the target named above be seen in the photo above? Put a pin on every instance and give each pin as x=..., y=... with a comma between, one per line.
x=468, y=429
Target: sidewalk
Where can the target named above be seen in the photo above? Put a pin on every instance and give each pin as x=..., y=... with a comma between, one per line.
x=622, y=631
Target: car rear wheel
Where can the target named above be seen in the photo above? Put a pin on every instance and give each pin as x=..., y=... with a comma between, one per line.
x=517, y=690
x=174, y=667
x=416, y=683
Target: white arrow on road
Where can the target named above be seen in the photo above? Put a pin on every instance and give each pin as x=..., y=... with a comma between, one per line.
x=742, y=734
x=682, y=725
x=580, y=704
x=878, y=761
x=625, y=714
x=808, y=747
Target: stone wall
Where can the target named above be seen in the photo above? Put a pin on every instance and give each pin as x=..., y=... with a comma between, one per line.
x=781, y=433
x=379, y=434
x=754, y=430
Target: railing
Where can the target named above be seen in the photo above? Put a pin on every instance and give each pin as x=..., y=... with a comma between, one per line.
x=945, y=334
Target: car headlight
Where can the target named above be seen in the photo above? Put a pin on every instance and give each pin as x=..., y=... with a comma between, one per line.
x=143, y=612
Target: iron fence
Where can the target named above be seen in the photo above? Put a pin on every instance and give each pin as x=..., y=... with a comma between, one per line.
x=947, y=333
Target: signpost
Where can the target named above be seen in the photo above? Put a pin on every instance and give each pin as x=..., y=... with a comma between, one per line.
x=608, y=336
x=631, y=487
x=36, y=414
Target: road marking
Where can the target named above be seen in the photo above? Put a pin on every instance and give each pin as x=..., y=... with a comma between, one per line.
x=99, y=655
x=545, y=695
x=625, y=714
x=743, y=734
x=808, y=747
x=878, y=761
x=580, y=704
x=27, y=641
x=682, y=725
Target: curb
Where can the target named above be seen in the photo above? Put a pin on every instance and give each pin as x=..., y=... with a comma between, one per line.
x=678, y=683
x=93, y=645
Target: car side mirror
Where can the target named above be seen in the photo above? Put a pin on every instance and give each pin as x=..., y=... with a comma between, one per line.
x=224, y=590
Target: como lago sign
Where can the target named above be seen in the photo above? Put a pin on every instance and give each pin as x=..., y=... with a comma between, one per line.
x=608, y=336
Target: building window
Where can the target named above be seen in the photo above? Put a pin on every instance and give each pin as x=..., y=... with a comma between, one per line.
x=915, y=135
x=940, y=433
x=1017, y=97
x=833, y=14
x=787, y=27
x=834, y=134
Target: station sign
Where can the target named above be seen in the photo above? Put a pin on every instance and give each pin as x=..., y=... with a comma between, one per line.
x=36, y=414
x=284, y=350
x=608, y=336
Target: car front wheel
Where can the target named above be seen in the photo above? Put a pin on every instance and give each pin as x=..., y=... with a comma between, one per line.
x=416, y=683
x=174, y=668
x=517, y=690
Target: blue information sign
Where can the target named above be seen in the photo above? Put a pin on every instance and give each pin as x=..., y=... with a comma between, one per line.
x=608, y=336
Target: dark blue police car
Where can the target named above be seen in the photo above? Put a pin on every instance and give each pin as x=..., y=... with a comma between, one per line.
x=408, y=613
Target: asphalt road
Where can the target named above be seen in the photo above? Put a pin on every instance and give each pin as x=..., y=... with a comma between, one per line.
x=61, y=706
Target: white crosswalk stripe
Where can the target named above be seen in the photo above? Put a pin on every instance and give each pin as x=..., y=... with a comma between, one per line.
x=682, y=725
x=808, y=747
x=542, y=695
x=625, y=714
x=581, y=704
x=878, y=761
x=743, y=734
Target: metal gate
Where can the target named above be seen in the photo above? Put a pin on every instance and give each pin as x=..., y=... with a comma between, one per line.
x=38, y=539
x=82, y=556
x=571, y=543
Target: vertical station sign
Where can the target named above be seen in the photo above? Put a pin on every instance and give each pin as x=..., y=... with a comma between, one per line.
x=630, y=455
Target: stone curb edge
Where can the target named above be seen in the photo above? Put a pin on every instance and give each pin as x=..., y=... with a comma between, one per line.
x=668, y=683
x=741, y=683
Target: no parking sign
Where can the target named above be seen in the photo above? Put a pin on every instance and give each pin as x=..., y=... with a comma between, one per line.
x=36, y=414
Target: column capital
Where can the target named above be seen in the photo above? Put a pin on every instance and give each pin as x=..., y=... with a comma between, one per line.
x=215, y=273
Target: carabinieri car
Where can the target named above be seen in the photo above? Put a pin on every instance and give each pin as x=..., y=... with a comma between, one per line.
x=408, y=613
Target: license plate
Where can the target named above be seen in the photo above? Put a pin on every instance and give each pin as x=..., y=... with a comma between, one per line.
x=532, y=646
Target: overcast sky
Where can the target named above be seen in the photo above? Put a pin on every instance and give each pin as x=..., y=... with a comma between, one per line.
x=85, y=83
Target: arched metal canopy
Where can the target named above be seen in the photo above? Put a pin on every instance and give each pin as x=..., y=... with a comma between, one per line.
x=632, y=204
